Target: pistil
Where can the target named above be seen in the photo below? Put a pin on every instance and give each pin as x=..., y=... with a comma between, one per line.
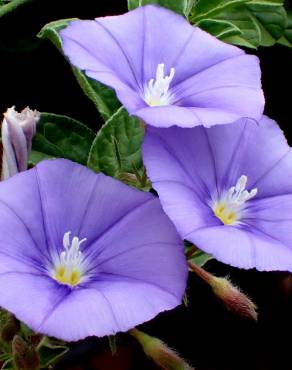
x=157, y=91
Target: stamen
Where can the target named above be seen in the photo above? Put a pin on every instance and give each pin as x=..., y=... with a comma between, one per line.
x=229, y=208
x=238, y=194
x=69, y=267
x=157, y=91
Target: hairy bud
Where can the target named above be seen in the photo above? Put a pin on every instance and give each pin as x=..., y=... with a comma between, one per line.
x=231, y=296
x=160, y=354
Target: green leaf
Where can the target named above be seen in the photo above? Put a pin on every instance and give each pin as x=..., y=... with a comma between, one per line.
x=210, y=8
x=219, y=28
x=249, y=23
x=49, y=355
x=35, y=157
x=286, y=39
x=51, y=31
x=104, y=98
x=179, y=6
x=7, y=365
x=8, y=6
x=200, y=258
x=271, y=18
x=239, y=41
x=116, y=150
x=60, y=136
x=250, y=31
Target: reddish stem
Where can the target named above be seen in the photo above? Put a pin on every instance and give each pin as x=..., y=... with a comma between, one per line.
x=203, y=274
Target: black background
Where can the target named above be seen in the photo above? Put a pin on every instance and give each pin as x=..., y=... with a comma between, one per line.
x=33, y=73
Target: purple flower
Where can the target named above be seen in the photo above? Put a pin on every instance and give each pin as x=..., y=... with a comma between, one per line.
x=227, y=189
x=17, y=132
x=165, y=71
x=83, y=254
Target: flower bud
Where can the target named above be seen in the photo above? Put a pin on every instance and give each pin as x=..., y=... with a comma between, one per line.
x=18, y=130
x=25, y=356
x=9, y=329
x=159, y=353
x=233, y=299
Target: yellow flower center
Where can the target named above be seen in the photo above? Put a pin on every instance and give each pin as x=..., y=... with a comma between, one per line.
x=69, y=266
x=226, y=215
x=229, y=208
x=67, y=276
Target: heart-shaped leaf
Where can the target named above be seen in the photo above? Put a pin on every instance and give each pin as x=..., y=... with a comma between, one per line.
x=249, y=23
x=116, y=150
x=61, y=137
x=179, y=6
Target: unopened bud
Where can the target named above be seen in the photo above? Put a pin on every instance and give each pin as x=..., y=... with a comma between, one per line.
x=18, y=130
x=25, y=356
x=9, y=329
x=231, y=296
x=159, y=353
x=234, y=300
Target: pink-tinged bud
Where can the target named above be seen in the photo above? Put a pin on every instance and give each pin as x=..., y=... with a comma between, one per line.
x=233, y=299
x=159, y=353
x=18, y=130
x=25, y=356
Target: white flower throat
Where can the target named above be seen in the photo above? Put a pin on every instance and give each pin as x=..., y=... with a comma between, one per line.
x=229, y=208
x=69, y=266
x=157, y=93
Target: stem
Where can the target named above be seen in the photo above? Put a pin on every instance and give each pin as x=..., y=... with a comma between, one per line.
x=117, y=152
x=135, y=333
x=203, y=274
x=7, y=8
x=192, y=250
x=42, y=342
x=112, y=343
x=6, y=363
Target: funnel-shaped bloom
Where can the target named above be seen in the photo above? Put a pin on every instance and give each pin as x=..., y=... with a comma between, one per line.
x=83, y=254
x=17, y=132
x=166, y=71
x=227, y=189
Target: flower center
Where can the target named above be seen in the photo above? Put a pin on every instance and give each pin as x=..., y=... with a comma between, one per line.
x=69, y=266
x=229, y=208
x=156, y=92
